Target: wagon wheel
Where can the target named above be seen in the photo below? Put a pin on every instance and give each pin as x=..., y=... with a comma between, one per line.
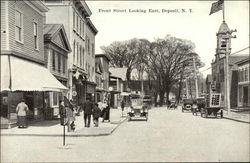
x=221, y=113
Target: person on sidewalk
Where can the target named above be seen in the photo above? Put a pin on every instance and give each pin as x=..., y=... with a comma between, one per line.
x=96, y=114
x=21, y=110
x=88, y=109
x=122, y=106
x=106, y=114
x=62, y=112
x=70, y=117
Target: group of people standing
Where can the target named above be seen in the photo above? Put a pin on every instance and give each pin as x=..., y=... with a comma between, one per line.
x=89, y=108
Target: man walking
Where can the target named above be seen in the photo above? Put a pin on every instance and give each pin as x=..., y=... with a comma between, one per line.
x=88, y=109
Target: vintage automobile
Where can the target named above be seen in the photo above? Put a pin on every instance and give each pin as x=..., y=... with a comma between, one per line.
x=198, y=104
x=187, y=104
x=138, y=109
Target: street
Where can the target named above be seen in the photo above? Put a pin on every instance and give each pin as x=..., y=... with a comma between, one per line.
x=169, y=135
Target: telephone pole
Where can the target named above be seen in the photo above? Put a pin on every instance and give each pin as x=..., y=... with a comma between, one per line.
x=195, y=76
x=227, y=82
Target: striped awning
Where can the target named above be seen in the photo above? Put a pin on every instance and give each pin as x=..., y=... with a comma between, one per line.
x=22, y=75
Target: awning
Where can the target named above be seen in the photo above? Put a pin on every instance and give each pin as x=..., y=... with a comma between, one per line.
x=21, y=75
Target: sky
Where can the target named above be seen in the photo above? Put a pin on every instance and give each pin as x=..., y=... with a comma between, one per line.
x=196, y=25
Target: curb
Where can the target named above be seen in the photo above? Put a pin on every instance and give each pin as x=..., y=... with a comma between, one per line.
x=236, y=120
x=68, y=135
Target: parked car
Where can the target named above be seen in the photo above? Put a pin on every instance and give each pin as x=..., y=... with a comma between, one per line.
x=198, y=104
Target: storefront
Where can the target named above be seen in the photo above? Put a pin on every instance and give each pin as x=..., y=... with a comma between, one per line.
x=22, y=79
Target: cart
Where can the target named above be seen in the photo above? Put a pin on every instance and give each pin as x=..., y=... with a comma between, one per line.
x=213, y=107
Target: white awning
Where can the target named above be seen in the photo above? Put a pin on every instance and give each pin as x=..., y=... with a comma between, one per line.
x=21, y=75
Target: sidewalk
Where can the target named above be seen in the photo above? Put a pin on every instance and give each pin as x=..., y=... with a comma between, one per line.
x=238, y=116
x=53, y=127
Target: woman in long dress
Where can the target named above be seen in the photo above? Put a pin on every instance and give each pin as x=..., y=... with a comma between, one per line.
x=21, y=110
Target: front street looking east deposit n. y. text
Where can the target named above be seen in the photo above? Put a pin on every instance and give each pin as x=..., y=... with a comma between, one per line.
x=187, y=10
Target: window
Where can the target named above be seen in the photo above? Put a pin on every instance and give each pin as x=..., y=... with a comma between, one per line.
x=35, y=36
x=74, y=17
x=74, y=51
x=80, y=55
x=53, y=60
x=83, y=29
x=54, y=99
x=80, y=28
x=19, y=26
x=246, y=76
x=59, y=63
x=64, y=64
x=77, y=53
x=88, y=45
x=76, y=23
x=93, y=49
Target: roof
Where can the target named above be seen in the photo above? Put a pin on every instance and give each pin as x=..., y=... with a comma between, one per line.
x=119, y=72
x=92, y=27
x=243, y=61
x=51, y=30
x=103, y=55
x=223, y=28
x=236, y=58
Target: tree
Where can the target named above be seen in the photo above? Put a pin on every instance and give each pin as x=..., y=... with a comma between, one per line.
x=167, y=60
x=123, y=54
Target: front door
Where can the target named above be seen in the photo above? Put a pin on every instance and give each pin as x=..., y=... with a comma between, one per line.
x=245, y=96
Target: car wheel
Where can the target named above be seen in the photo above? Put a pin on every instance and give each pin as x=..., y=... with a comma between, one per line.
x=206, y=113
x=221, y=113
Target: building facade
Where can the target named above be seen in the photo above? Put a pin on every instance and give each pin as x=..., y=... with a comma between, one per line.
x=244, y=83
x=218, y=66
x=56, y=48
x=75, y=16
x=102, y=77
x=23, y=71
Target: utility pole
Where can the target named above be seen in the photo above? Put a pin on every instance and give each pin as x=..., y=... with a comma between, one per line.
x=187, y=88
x=196, y=82
x=227, y=83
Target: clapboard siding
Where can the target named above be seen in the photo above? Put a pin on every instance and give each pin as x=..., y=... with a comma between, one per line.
x=3, y=25
x=29, y=17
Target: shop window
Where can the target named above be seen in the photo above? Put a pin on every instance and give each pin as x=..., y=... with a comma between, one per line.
x=54, y=99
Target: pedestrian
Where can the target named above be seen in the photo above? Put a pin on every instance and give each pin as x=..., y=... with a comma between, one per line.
x=106, y=113
x=70, y=117
x=88, y=109
x=62, y=112
x=96, y=114
x=122, y=106
x=21, y=110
